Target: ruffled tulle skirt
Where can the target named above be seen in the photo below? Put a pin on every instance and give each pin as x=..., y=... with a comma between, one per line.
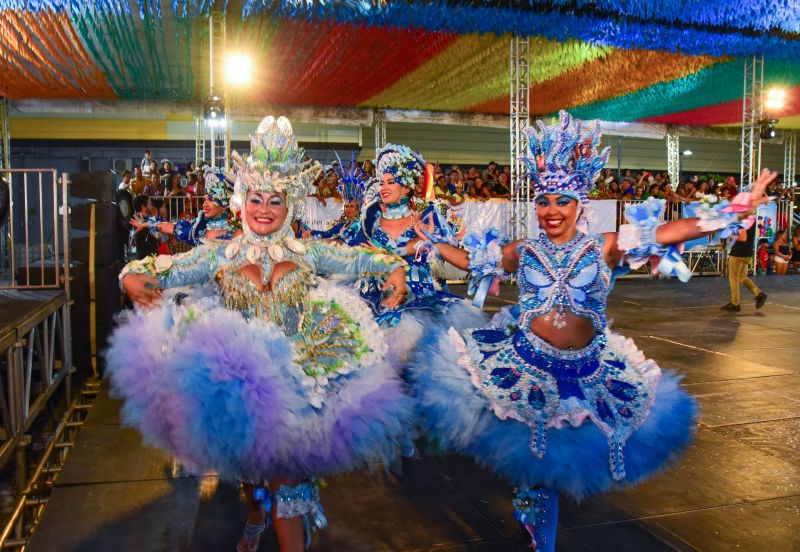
x=224, y=394
x=485, y=393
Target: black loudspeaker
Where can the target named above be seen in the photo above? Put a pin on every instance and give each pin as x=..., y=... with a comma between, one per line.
x=108, y=303
x=97, y=185
x=108, y=296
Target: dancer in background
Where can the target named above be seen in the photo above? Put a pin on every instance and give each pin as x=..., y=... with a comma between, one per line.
x=388, y=223
x=352, y=185
x=550, y=398
x=280, y=375
x=213, y=223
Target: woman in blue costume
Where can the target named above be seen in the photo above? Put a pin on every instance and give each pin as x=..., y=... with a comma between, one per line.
x=547, y=396
x=280, y=375
x=352, y=185
x=213, y=222
x=387, y=223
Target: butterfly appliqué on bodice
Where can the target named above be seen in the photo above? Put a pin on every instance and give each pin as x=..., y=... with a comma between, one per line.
x=554, y=278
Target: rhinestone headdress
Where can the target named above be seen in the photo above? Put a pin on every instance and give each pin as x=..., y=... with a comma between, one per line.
x=276, y=164
x=218, y=186
x=563, y=159
x=352, y=180
x=406, y=165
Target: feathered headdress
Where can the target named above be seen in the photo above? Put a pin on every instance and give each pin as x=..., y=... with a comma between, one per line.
x=402, y=162
x=218, y=186
x=562, y=158
x=352, y=180
x=276, y=164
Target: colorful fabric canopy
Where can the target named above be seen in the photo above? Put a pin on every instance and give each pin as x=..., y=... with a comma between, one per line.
x=619, y=60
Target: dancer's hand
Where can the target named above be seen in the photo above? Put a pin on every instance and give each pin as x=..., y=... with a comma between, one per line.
x=138, y=223
x=396, y=282
x=142, y=290
x=422, y=228
x=758, y=190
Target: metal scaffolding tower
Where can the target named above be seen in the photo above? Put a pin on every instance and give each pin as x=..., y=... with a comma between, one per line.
x=219, y=135
x=5, y=135
x=519, y=113
x=199, y=140
x=789, y=157
x=790, y=171
x=379, y=125
x=752, y=103
x=673, y=156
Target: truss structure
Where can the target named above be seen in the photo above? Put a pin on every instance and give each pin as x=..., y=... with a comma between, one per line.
x=5, y=136
x=789, y=157
x=379, y=126
x=519, y=114
x=673, y=156
x=752, y=103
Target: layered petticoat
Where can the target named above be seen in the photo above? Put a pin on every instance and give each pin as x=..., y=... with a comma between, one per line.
x=582, y=422
x=224, y=394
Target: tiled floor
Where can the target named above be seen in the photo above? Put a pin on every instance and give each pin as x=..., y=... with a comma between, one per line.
x=738, y=488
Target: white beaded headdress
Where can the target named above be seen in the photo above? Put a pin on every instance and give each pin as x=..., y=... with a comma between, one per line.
x=406, y=165
x=276, y=164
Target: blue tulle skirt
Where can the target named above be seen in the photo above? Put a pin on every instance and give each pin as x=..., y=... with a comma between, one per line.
x=227, y=395
x=462, y=417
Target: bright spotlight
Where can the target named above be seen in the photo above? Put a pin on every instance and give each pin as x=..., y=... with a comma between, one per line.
x=776, y=98
x=238, y=69
x=687, y=153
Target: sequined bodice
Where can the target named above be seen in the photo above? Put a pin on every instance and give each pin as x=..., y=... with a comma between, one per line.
x=554, y=278
x=419, y=280
x=283, y=304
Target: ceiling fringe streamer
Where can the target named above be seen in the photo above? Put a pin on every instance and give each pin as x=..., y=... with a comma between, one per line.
x=609, y=59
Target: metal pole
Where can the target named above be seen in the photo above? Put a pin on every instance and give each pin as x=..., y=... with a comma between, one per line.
x=673, y=155
x=519, y=113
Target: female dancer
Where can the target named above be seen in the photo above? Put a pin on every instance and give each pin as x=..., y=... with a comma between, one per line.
x=550, y=398
x=213, y=222
x=281, y=375
x=352, y=184
x=387, y=223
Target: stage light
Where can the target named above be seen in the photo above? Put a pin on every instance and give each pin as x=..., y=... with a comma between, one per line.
x=768, y=131
x=238, y=69
x=686, y=153
x=776, y=98
x=214, y=112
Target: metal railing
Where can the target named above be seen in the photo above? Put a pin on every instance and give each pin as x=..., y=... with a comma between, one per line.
x=35, y=339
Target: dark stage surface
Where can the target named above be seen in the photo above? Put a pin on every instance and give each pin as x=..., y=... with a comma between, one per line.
x=738, y=488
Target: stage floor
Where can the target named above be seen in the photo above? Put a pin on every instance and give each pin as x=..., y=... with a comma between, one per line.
x=737, y=488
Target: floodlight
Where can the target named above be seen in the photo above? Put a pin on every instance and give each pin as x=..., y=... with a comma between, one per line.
x=776, y=98
x=238, y=69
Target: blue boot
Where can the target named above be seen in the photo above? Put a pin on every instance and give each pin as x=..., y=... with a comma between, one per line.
x=537, y=510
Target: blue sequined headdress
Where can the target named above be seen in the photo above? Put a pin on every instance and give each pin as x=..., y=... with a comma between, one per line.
x=352, y=180
x=406, y=165
x=563, y=159
x=218, y=186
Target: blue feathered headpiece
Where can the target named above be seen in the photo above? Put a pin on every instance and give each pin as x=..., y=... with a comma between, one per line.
x=352, y=180
x=218, y=186
x=562, y=158
x=406, y=165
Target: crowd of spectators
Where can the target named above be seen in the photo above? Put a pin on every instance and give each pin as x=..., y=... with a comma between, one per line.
x=493, y=182
x=169, y=182
x=644, y=184
x=453, y=184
